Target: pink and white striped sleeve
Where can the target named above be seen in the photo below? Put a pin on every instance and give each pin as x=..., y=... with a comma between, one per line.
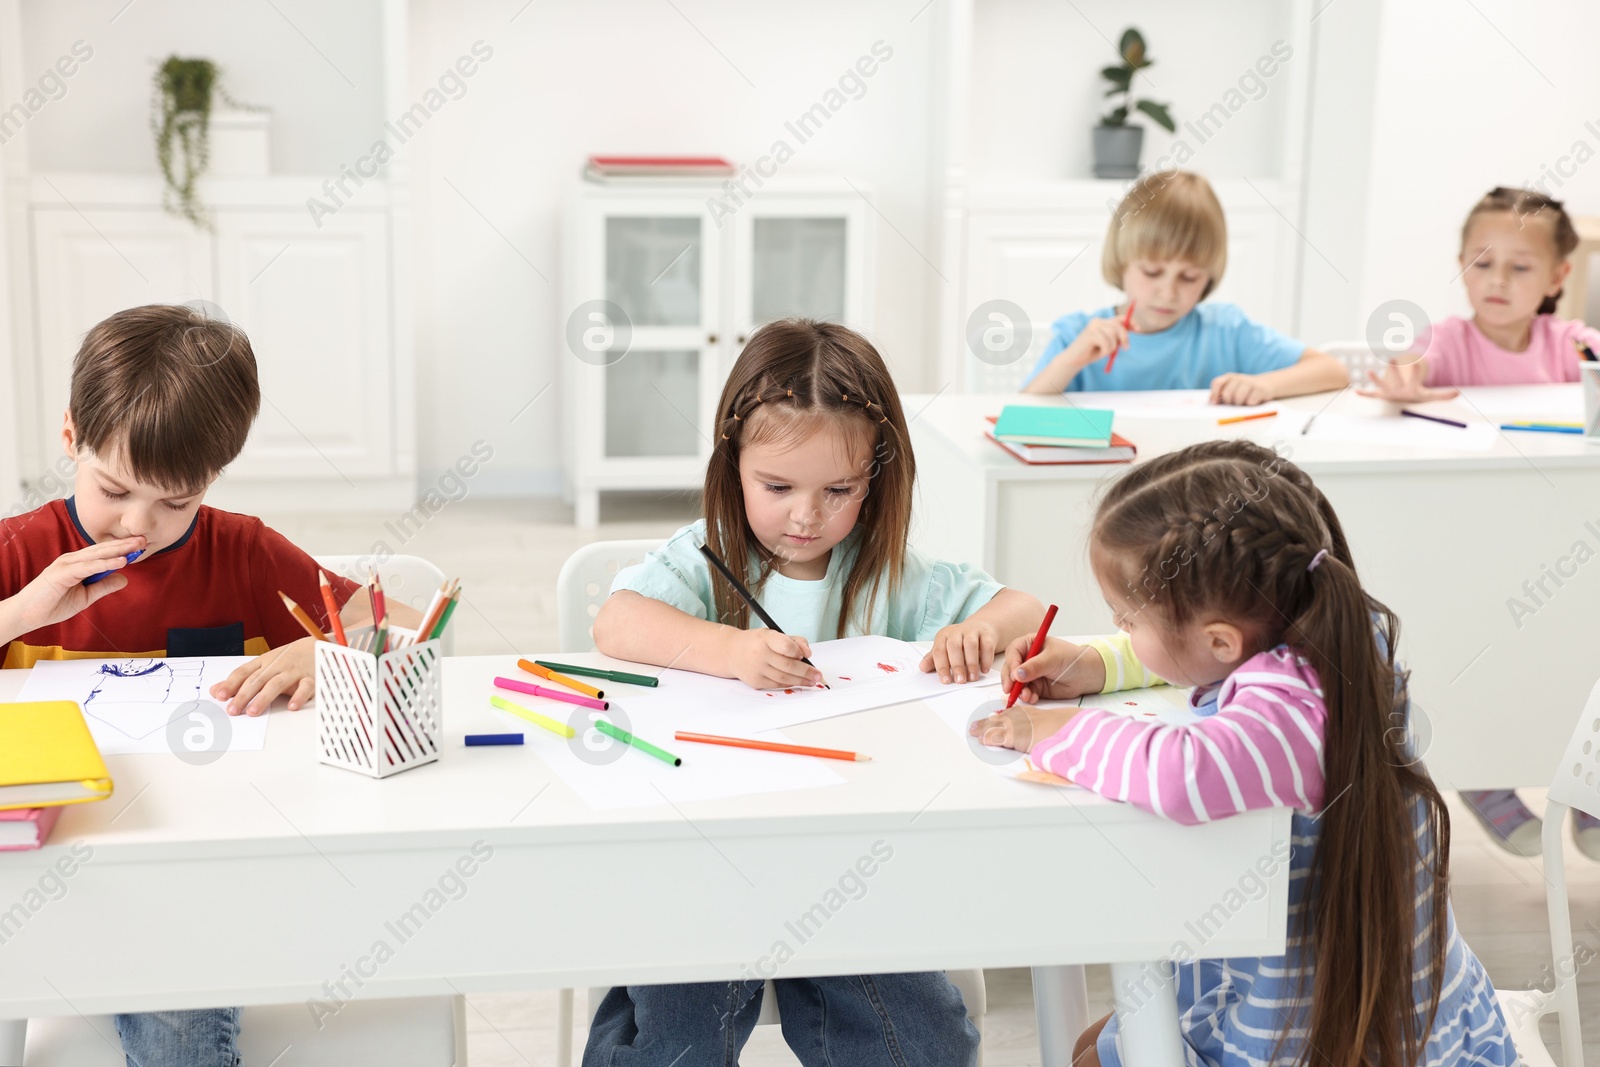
x=1262, y=748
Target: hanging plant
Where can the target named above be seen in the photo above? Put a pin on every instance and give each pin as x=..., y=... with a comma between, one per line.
x=180, y=117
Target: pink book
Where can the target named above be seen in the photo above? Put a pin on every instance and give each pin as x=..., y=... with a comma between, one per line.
x=25, y=828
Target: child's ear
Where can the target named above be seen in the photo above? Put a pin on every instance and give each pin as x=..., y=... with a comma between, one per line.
x=1226, y=641
x=69, y=436
x=1559, y=278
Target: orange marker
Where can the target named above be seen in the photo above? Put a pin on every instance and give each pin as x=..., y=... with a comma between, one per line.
x=332, y=604
x=1034, y=650
x=1127, y=324
x=560, y=679
x=773, y=746
x=301, y=617
x=1231, y=419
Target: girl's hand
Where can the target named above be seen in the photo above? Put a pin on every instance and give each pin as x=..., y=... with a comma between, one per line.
x=1234, y=388
x=1402, y=383
x=765, y=659
x=962, y=651
x=1099, y=339
x=59, y=593
x=252, y=688
x=1061, y=670
x=1021, y=727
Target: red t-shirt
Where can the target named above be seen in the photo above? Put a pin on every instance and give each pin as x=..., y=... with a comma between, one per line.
x=213, y=592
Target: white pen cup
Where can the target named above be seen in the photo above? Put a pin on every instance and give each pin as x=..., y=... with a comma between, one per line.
x=1589, y=371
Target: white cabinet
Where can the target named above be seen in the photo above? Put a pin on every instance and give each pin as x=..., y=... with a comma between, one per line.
x=662, y=290
x=316, y=297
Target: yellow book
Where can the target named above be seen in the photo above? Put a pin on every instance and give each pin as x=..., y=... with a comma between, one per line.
x=47, y=756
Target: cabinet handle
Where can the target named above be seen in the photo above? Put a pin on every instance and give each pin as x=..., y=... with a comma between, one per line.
x=711, y=338
x=742, y=338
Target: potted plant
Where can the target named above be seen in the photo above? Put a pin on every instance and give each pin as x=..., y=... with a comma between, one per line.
x=180, y=117
x=1116, y=143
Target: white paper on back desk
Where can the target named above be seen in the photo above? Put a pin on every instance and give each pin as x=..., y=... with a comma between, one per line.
x=863, y=672
x=129, y=704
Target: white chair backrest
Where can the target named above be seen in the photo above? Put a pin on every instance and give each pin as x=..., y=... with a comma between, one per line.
x=1577, y=781
x=585, y=582
x=1357, y=357
x=407, y=579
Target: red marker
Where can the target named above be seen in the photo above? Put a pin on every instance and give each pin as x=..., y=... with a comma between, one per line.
x=1127, y=324
x=1038, y=646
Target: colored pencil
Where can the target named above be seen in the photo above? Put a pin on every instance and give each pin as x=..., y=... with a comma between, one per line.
x=476, y=740
x=1231, y=419
x=1033, y=650
x=772, y=746
x=622, y=677
x=555, y=726
x=1548, y=425
x=639, y=743
x=1127, y=324
x=554, y=694
x=1584, y=350
x=301, y=617
x=330, y=602
x=449, y=610
x=380, y=631
x=745, y=595
x=560, y=679
x=1535, y=428
x=130, y=557
x=1433, y=418
x=1307, y=427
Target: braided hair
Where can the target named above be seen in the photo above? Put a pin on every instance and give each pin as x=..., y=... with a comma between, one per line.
x=1231, y=530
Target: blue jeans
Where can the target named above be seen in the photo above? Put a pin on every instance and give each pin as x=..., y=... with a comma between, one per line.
x=865, y=1020
x=205, y=1038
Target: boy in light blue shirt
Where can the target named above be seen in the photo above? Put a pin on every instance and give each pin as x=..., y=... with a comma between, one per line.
x=1167, y=248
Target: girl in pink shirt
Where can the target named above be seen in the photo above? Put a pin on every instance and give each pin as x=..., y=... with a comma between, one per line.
x=1514, y=249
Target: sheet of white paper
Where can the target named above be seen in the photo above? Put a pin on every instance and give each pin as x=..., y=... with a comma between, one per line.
x=1402, y=431
x=1166, y=404
x=863, y=672
x=958, y=710
x=129, y=702
x=1524, y=403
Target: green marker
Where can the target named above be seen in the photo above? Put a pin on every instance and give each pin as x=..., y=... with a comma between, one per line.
x=597, y=672
x=643, y=746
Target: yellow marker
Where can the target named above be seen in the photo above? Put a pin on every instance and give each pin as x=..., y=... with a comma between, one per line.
x=534, y=717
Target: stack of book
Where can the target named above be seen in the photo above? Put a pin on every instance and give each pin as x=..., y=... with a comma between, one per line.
x=626, y=169
x=1059, y=435
x=47, y=759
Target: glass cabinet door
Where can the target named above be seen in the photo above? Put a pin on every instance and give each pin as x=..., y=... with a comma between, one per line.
x=653, y=269
x=652, y=403
x=798, y=267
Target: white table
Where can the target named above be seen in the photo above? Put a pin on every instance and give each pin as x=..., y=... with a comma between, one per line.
x=1443, y=537
x=264, y=875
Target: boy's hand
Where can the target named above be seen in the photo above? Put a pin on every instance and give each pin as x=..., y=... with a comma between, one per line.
x=1234, y=388
x=59, y=593
x=1061, y=670
x=252, y=688
x=765, y=659
x=1402, y=383
x=962, y=651
x=1021, y=728
x=1096, y=341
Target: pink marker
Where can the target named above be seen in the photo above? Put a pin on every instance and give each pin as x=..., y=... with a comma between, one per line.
x=554, y=694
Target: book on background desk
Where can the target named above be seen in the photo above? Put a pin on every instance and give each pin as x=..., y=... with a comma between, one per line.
x=48, y=757
x=1118, y=450
x=633, y=168
x=25, y=828
x=1057, y=427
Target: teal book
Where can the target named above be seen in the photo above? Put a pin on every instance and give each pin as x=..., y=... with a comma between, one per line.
x=1060, y=427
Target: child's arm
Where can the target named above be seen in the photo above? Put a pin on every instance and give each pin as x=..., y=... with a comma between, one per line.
x=291, y=668
x=1063, y=670
x=58, y=593
x=1098, y=339
x=635, y=627
x=1314, y=372
x=966, y=649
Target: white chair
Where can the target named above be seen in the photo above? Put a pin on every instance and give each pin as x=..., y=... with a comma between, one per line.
x=1576, y=786
x=581, y=587
x=1357, y=357
x=408, y=579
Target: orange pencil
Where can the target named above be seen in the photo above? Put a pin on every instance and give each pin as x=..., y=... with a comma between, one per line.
x=329, y=602
x=773, y=746
x=1127, y=324
x=301, y=617
x=1231, y=419
x=560, y=679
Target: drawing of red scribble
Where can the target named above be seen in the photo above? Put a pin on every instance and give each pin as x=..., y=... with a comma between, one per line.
x=844, y=677
x=1130, y=703
x=888, y=668
x=790, y=691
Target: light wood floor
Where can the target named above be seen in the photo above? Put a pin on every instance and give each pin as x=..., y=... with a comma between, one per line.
x=508, y=553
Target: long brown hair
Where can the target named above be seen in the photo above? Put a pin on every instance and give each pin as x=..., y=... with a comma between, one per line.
x=794, y=377
x=1230, y=530
x=1525, y=204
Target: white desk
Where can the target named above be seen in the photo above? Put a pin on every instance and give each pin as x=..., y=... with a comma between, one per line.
x=264, y=875
x=1443, y=537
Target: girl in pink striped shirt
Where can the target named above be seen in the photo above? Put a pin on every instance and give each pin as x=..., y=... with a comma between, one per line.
x=1229, y=572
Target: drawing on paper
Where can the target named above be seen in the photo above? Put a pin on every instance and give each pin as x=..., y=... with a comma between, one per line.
x=888, y=668
x=132, y=686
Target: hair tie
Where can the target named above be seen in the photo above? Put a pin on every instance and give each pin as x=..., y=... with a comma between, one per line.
x=1318, y=558
x=789, y=392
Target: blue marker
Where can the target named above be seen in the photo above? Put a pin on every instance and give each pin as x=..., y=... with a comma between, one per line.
x=1535, y=427
x=131, y=556
x=474, y=740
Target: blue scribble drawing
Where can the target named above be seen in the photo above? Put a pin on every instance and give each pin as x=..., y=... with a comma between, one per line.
x=125, y=688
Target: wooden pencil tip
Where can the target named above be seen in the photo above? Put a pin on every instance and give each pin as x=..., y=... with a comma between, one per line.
x=863, y=759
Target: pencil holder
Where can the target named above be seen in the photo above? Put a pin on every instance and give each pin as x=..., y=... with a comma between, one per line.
x=378, y=715
x=1589, y=371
